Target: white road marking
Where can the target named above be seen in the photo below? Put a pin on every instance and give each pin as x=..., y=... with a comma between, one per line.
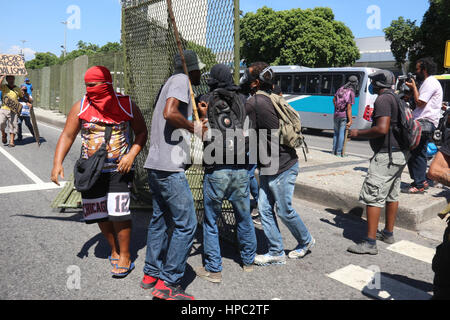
x=377, y=285
x=31, y=187
x=49, y=126
x=413, y=250
x=24, y=169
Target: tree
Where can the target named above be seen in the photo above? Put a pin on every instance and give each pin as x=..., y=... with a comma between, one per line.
x=403, y=36
x=41, y=60
x=308, y=37
x=434, y=32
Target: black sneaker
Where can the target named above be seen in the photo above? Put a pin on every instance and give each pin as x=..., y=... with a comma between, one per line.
x=166, y=291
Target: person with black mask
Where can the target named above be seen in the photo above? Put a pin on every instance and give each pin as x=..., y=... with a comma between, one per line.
x=226, y=178
x=428, y=101
x=278, y=171
x=381, y=188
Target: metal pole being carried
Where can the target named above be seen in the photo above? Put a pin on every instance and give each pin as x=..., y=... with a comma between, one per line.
x=180, y=49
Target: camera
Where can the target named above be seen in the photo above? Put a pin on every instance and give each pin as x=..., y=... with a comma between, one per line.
x=402, y=88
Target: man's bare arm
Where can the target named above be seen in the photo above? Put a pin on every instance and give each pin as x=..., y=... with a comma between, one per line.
x=440, y=170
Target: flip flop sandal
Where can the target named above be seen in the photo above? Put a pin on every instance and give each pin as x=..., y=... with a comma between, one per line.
x=11, y=145
x=414, y=190
x=4, y=141
x=123, y=274
x=111, y=260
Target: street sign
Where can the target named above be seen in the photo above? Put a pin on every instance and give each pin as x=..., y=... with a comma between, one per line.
x=447, y=55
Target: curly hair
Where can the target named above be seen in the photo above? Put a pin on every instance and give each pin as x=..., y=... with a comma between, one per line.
x=428, y=64
x=259, y=67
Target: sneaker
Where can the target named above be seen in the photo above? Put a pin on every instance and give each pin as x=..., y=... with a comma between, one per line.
x=166, y=291
x=148, y=282
x=363, y=248
x=385, y=238
x=248, y=268
x=300, y=252
x=266, y=259
x=215, y=277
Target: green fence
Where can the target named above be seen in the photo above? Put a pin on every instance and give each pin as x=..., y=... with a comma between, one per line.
x=58, y=87
x=210, y=28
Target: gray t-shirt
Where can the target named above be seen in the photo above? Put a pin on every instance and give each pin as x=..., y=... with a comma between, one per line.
x=170, y=147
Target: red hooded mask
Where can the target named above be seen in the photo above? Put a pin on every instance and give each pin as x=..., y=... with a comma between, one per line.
x=102, y=103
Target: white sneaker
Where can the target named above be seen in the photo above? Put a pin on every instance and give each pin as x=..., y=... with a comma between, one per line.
x=266, y=259
x=300, y=252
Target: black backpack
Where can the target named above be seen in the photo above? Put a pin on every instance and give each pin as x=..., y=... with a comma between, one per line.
x=226, y=112
x=442, y=127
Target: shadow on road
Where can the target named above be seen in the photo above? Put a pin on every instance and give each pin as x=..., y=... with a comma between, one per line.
x=353, y=225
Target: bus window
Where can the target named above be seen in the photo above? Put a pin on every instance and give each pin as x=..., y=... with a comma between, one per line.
x=313, y=84
x=300, y=84
x=325, y=88
x=278, y=81
x=286, y=84
x=338, y=80
x=445, y=89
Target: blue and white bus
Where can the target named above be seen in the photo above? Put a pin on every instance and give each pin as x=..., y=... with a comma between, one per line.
x=310, y=92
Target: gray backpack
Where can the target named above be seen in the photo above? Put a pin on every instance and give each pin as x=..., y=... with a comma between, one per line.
x=290, y=131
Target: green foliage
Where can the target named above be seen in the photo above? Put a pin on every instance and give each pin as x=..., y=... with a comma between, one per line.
x=41, y=60
x=308, y=37
x=434, y=32
x=428, y=40
x=48, y=59
x=403, y=35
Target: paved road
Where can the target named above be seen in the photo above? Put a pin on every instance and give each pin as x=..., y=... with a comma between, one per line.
x=44, y=252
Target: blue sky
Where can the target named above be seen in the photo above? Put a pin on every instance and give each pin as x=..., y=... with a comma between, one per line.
x=39, y=22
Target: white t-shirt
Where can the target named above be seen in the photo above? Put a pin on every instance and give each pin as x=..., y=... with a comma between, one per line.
x=431, y=93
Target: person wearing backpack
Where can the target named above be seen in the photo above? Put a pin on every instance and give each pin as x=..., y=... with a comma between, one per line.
x=381, y=187
x=279, y=170
x=343, y=101
x=226, y=176
x=428, y=100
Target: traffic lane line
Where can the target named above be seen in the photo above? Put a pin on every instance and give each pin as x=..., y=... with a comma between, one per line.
x=413, y=250
x=18, y=164
x=375, y=284
x=31, y=187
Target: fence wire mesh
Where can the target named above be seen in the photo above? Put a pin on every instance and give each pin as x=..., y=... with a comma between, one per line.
x=205, y=26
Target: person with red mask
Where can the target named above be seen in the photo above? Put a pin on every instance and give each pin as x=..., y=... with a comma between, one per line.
x=107, y=202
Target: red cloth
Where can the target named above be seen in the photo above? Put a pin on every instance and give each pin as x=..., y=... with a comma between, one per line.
x=102, y=103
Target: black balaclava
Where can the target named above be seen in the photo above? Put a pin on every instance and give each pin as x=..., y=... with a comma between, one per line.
x=221, y=77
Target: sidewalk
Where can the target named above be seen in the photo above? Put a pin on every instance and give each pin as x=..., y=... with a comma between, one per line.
x=336, y=182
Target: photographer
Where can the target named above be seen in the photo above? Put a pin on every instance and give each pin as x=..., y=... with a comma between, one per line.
x=428, y=100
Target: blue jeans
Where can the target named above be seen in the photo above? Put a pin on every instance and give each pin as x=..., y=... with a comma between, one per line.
x=278, y=190
x=339, y=135
x=233, y=185
x=254, y=187
x=173, y=205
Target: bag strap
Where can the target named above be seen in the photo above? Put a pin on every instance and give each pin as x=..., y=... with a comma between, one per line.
x=275, y=104
x=108, y=133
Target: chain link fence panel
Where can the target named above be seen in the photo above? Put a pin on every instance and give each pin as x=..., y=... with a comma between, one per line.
x=207, y=27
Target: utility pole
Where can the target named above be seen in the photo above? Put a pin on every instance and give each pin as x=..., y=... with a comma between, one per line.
x=22, y=50
x=65, y=38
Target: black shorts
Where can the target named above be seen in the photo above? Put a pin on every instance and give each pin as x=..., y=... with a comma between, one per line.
x=108, y=199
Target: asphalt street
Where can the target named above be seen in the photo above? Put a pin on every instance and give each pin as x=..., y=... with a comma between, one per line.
x=46, y=254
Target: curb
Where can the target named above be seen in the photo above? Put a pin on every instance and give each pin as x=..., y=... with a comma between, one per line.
x=56, y=121
x=407, y=217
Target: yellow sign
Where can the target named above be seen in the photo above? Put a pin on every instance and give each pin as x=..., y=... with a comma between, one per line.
x=447, y=55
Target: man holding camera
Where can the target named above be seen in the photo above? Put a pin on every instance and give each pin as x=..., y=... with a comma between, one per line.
x=428, y=100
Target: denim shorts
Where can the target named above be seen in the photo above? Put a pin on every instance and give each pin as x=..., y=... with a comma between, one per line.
x=382, y=183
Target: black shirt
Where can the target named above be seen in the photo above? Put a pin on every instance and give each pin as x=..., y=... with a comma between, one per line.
x=445, y=149
x=385, y=106
x=262, y=115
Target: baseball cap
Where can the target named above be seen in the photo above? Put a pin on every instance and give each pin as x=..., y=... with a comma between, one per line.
x=192, y=61
x=26, y=79
x=382, y=78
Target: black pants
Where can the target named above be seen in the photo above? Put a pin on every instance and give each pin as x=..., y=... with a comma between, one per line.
x=27, y=123
x=441, y=268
